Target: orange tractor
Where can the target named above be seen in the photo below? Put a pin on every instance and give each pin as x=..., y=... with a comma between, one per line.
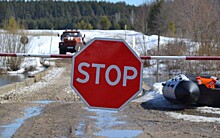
x=71, y=41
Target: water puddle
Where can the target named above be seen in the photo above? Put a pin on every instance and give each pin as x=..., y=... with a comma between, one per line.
x=11, y=78
x=43, y=102
x=7, y=131
x=105, y=121
x=119, y=133
x=80, y=128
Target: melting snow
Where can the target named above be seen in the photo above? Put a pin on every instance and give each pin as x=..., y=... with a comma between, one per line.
x=156, y=100
x=209, y=110
x=49, y=45
x=193, y=118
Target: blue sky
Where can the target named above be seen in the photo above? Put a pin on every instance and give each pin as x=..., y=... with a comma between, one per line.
x=130, y=2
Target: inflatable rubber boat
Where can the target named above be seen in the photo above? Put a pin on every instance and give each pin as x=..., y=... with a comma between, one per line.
x=192, y=90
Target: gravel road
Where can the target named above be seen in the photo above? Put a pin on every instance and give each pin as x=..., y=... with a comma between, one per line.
x=50, y=108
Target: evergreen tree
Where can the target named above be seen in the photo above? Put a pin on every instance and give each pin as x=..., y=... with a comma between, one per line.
x=122, y=24
x=105, y=23
x=64, y=14
x=11, y=25
x=84, y=25
x=98, y=10
x=81, y=25
x=153, y=20
x=115, y=26
x=172, y=28
x=89, y=26
x=75, y=10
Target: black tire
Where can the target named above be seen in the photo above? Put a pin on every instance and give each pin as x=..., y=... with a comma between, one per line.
x=62, y=51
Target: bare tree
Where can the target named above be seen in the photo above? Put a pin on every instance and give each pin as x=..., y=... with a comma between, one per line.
x=141, y=18
x=11, y=44
x=197, y=20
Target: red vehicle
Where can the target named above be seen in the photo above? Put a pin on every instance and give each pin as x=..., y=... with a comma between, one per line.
x=71, y=41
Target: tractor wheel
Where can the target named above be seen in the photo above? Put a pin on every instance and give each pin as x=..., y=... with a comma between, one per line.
x=62, y=51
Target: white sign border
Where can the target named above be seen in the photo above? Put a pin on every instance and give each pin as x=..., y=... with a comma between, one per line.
x=106, y=39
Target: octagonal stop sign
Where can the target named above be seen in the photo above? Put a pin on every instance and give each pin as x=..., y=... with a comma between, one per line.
x=106, y=74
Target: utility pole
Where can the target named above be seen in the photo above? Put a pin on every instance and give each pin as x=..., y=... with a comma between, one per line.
x=125, y=31
x=158, y=53
x=51, y=40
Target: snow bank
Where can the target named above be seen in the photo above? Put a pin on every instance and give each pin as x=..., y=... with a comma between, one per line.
x=49, y=44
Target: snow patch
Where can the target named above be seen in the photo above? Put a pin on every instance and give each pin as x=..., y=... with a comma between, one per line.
x=20, y=71
x=193, y=118
x=210, y=110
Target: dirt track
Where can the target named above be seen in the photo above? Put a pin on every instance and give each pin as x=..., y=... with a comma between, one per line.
x=62, y=114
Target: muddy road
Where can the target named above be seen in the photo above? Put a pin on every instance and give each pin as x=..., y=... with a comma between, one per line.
x=50, y=108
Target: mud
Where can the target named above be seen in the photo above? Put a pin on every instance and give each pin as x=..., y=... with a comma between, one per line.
x=51, y=109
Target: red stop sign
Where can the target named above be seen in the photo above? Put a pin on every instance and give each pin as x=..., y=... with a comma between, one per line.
x=106, y=74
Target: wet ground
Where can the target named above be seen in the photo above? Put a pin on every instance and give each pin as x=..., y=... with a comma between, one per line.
x=11, y=78
x=50, y=108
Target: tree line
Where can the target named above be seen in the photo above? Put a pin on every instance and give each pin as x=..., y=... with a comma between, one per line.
x=47, y=14
x=57, y=14
x=198, y=20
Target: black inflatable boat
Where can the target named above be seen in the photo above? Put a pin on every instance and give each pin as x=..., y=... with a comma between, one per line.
x=186, y=90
